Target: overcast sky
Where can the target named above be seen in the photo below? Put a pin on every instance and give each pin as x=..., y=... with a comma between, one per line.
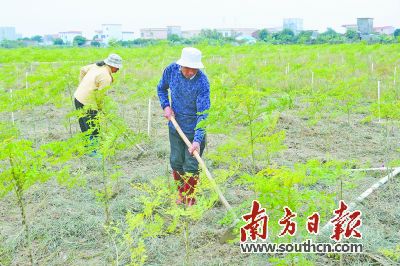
x=32, y=17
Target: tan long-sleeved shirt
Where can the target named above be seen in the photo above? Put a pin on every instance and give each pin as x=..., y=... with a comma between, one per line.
x=92, y=78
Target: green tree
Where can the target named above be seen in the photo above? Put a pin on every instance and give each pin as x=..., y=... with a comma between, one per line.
x=58, y=41
x=396, y=33
x=211, y=34
x=263, y=35
x=330, y=36
x=37, y=38
x=305, y=37
x=284, y=36
x=174, y=38
x=12, y=44
x=351, y=35
x=79, y=40
x=95, y=43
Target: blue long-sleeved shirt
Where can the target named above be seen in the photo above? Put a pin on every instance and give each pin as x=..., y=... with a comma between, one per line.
x=189, y=99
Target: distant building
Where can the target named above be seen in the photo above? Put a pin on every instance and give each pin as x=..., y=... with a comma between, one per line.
x=128, y=35
x=365, y=25
x=154, y=33
x=48, y=39
x=68, y=36
x=190, y=33
x=353, y=27
x=174, y=30
x=99, y=36
x=274, y=29
x=293, y=24
x=235, y=32
x=388, y=30
x=111, y=32
x=8, y=33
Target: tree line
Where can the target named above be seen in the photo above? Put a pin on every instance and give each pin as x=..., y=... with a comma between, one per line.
x=214, y=37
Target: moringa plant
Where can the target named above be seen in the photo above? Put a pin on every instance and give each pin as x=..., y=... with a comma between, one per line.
x=161, y=216
x=22, y=167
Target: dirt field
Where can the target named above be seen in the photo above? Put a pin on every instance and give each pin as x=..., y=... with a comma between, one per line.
x=67, y=224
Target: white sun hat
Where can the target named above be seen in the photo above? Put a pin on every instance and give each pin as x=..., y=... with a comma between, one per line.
x=190, y=57
x=114, y=60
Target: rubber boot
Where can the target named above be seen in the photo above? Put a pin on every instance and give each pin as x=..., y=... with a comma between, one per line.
x=180, y=183
x=189, y=189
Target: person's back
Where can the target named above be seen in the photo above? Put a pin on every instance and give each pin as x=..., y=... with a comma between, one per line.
x=93, y=77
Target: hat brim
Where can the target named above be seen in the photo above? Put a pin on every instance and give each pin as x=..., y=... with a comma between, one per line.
x=190, y=64
x=119, y=66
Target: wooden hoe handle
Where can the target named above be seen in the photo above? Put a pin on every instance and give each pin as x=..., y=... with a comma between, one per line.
x=202, y=164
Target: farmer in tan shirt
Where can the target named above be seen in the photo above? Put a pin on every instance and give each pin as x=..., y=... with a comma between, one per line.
x=94, y=78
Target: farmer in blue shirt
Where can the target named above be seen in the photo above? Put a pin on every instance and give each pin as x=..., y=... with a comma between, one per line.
x=190, y=98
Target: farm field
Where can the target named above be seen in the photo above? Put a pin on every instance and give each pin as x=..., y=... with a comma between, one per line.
x=288, y=126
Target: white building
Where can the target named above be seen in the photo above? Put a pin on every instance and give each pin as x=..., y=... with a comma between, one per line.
x=154, y=33
x=293, y=24
x=8, y=33
x=235, y=32
x=365, y=25
x=112, y=32
x=388, y=30
x=68, y=36
x=48, y=39
x=174, y=30
x=274, y=29
x=190, y=33
x=350, y=27
x=128, y=35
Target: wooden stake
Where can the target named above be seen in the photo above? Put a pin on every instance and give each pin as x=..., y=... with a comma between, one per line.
x=379, y=101
x=12, y=112
x=149, y=118
x=26, y=80
x=312, y=80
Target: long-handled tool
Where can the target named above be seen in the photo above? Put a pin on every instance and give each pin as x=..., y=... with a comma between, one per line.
x=228, y=234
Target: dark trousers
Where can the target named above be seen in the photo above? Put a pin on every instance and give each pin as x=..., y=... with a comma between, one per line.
x=180, y=158
x=86, y=122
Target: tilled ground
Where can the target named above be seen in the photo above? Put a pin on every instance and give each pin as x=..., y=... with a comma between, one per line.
x=66, y=224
